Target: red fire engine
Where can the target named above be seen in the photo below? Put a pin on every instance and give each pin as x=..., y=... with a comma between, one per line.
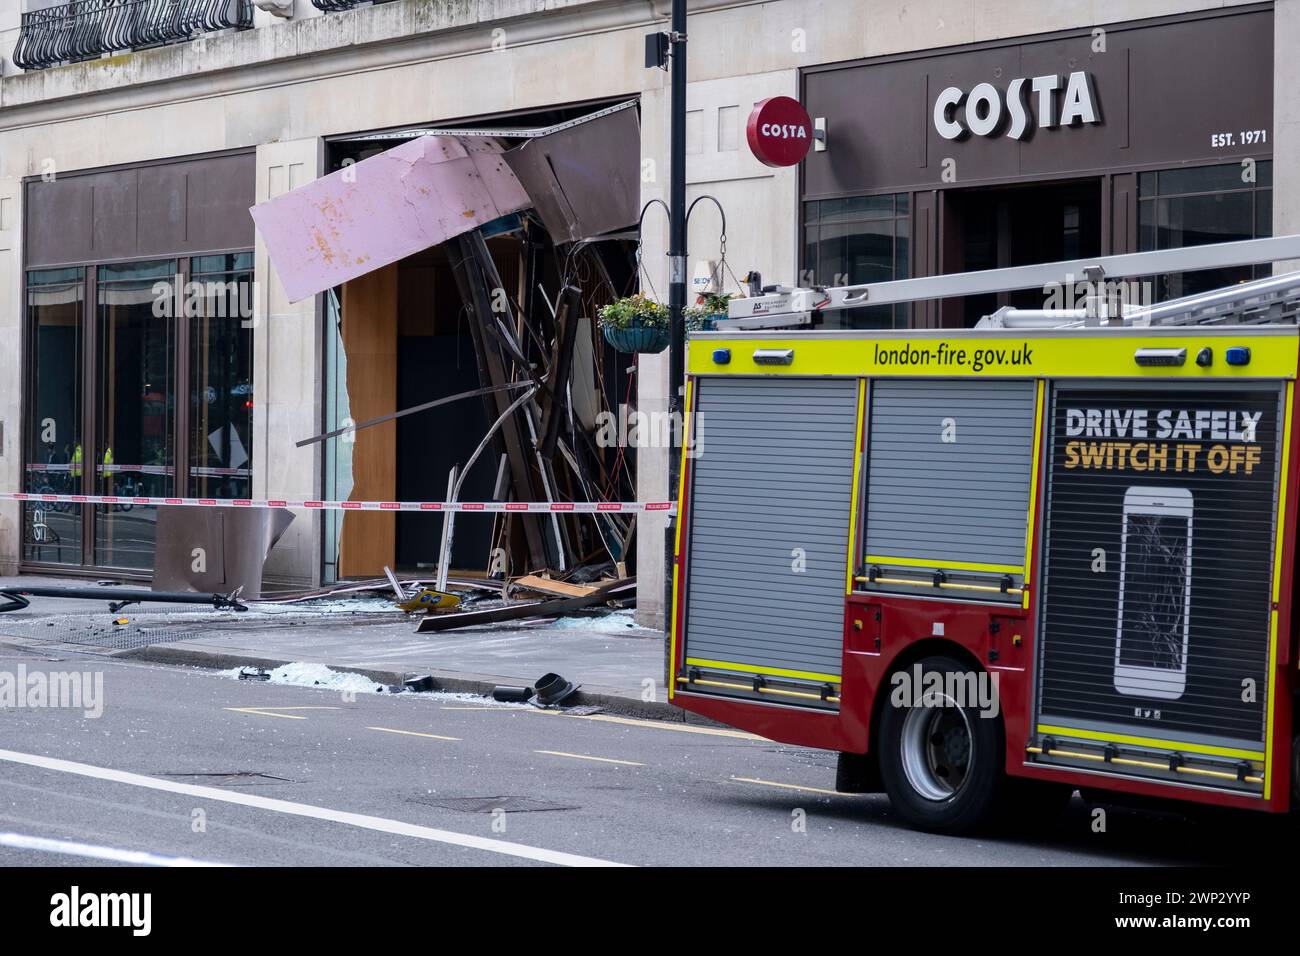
x=993, y=566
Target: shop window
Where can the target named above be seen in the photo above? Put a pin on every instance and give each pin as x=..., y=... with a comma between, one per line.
x=219, y=304
x=139, y=385
x=55, y=303
x=337, y=450
x=855, y=240
x=1204, y=204
x=135, y=452
x=1071, y=232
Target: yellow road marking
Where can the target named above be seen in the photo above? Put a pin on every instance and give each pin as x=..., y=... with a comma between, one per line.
x=628, y=721
x=789, y=786
x=411, y=733
x=659, y=725
x=561, y=753
x=270, y=712
x=504, y=710
x=606, y=718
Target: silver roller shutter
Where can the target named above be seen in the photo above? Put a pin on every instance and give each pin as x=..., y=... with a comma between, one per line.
x=775, y=474
x=949, y=472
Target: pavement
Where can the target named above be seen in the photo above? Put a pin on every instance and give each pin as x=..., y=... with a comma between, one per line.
x=190, y=763
x=618, y=664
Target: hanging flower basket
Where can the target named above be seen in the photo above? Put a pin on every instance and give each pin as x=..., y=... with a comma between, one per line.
x=636, y=337
x=702, y=322
x=712, y=307
x=635, y=324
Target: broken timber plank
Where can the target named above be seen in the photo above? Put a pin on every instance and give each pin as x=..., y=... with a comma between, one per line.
x=514, y=612
x=535, y=582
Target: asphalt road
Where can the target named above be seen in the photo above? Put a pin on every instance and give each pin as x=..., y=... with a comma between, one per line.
x=185, y=763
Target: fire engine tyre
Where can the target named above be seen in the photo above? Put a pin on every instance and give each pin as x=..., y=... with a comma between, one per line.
x=941, y=763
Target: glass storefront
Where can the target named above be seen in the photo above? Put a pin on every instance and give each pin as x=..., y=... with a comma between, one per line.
x=1195, y=205
x=135, y=450
x=147, y=379
x=866, y=238
x=221, y=377
x=55, y=303
x=860, y=239
x=337, y=451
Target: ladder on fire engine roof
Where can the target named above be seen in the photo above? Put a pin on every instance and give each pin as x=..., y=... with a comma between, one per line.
x=1273, y=300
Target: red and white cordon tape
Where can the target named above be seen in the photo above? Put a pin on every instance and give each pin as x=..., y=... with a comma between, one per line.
x=530, y=507
x=141, y=469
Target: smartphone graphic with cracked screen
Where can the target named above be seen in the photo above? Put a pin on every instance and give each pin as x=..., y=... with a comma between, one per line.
x=1155, y=593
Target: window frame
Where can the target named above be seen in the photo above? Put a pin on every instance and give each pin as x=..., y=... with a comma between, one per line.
x=1151, y=201
x=812, y=220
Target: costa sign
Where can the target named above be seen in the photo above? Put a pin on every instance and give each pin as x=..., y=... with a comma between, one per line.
x=779, y=131
x=985, y=111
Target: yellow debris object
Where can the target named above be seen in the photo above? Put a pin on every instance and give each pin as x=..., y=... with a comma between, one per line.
x=430, y=600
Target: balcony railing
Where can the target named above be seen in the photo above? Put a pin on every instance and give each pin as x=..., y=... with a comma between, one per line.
x=82, y=29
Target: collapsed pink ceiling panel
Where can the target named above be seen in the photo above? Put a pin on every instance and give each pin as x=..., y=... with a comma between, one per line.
x=385, y=208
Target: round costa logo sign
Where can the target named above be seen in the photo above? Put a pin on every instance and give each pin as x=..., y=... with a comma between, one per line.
x=780, y=131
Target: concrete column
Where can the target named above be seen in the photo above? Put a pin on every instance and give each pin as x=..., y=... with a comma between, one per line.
x=286, y=379
x=11, y=370
x=1286, y=122
x=762, y=233
x=10, y=20
x=11, y=319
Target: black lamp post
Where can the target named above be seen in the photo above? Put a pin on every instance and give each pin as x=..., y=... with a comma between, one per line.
x=671, y=48
x=677, y=227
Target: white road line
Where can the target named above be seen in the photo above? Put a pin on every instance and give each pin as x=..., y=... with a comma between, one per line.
x=21, y=841
x=364, y=821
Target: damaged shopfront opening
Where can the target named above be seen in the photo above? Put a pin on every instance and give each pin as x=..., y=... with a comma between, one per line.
x=461, y=271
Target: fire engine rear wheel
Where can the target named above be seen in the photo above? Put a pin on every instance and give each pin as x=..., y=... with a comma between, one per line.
x=941, y=763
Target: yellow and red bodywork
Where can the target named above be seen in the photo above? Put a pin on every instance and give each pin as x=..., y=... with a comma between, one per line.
x=881, y=630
